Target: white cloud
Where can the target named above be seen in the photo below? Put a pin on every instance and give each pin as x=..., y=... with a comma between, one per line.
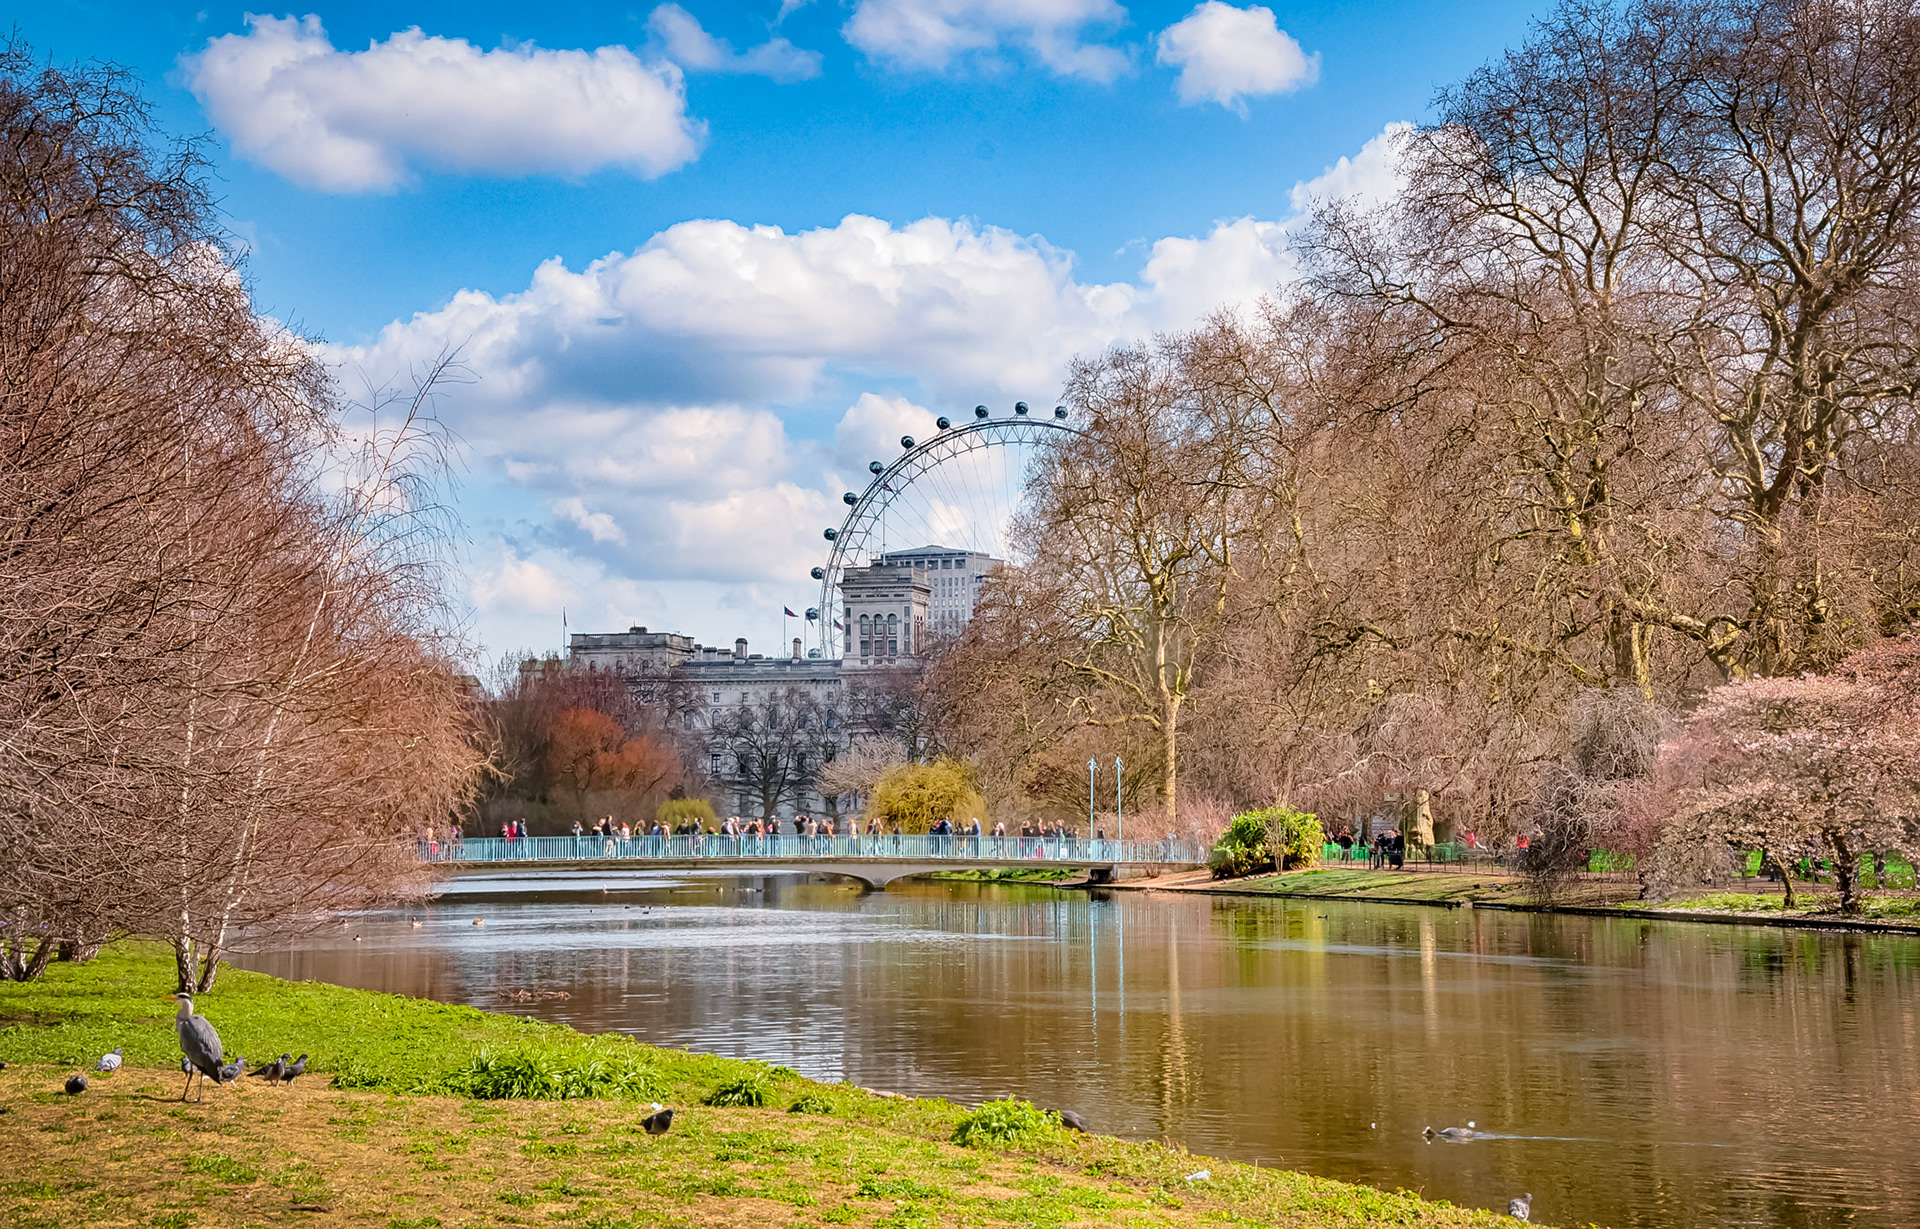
x=353, y=121
x=1227, y=54
x=598, y=525
x=1371, y=177
x=661, y=435
x=691, y=47
x=933, y=34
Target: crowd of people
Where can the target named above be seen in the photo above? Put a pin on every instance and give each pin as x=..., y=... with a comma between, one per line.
x=803, y=835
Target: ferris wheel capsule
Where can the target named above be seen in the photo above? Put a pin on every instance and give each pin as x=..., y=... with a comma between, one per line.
x=849, y=499
x=1020, y=408
x=875, y=467
x=906, y=441
x=832, y=535
x=1060, y=412
x=981, y=411
x=818, y=573
x=943, y=422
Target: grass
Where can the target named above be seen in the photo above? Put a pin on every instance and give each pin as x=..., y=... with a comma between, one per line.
x=1808, y=903
x=416, y=1114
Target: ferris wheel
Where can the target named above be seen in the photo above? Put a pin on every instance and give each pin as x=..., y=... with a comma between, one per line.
x=958, y=489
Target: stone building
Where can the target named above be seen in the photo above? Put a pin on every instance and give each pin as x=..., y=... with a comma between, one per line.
x=889, y=610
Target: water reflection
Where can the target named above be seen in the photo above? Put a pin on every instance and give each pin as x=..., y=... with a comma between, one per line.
x=1627, y=1073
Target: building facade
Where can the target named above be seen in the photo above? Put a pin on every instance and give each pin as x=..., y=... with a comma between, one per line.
x=728, y=700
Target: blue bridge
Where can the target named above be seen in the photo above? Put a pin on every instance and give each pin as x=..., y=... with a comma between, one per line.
x=875, y=860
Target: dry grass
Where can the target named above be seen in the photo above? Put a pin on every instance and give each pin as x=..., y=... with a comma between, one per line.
x=126, y=1153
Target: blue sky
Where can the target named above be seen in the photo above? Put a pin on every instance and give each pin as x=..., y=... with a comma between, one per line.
x=703, y=259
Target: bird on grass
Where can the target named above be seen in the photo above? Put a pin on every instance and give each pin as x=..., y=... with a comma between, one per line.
x=659, y=1123
x=1074, y=1122
x=76, y=1084
x=231, y=1072
x=199, y=1043
x=273, y=1069
x=295, y=1069
x=1455, y=1134
x=1521, y=1208
x=110, y=1063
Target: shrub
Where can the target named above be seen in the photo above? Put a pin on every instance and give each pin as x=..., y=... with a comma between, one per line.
x=811, y=1103
x=1005, y=1124
x=748, y=1090
x=545, y=1077
x=1276, y=836
x=675, y=811
x=916, y=796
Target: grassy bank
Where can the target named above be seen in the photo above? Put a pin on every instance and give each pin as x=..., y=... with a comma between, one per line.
x=1816, y=904
x=394, y=1127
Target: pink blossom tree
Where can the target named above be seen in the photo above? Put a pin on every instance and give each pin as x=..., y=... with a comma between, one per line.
x=1825, y=763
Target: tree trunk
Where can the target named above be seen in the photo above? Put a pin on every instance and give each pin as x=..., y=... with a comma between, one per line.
x=1768, y=861
x=1169, y=747
x=209, y=966
x=183, y=964
x=1846, y=872
x=77, y=951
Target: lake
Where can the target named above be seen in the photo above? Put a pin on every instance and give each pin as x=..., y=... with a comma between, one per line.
x=1627, y=1073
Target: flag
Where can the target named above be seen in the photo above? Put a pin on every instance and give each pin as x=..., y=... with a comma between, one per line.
x=788, y=611
x=811, y=616
x=838, y=626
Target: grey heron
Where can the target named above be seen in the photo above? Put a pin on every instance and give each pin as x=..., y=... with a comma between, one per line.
x=1074, y=1122
x=199, y=1043
x=1521, y=1208
x=294, y=1070
x=110, y=1062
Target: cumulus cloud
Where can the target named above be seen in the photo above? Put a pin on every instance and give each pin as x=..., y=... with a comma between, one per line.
x=934, y=34
x=350, y=121
x=681, y=419
x=1370, y=177
x=1227, y=55
x=691, y=47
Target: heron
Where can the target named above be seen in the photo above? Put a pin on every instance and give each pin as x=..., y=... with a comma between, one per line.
x=76, y=1084
x=294, y=1070
x=273, y=1069
x=1074, y=1122
x=110, y=1062
x=199, y=1043
x=1521, y=1208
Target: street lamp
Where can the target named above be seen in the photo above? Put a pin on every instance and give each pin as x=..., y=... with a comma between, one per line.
x=1120, y=818
x=1093, y=767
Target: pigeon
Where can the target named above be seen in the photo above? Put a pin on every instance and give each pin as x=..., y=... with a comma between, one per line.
x=294, y=1070
x=186, y=1065
x=231, y=1072
x=76, y=1084
x=1074, y=1122
x=109, y=1062
x=1521, y=1208
x=273, y=1069
x=658, y=1124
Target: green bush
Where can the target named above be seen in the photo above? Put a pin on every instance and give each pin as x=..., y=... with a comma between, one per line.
x=811, y=1103
x=1006, y=1124
x=747, y=1090
x=676, y=811
x=916, y=796
x=1271, y=837
x=535, y=1076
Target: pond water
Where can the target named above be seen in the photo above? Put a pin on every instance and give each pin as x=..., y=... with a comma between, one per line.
x=1627, y=1073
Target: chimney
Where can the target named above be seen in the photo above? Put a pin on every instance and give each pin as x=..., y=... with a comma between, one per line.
x=740, y=649
x=796, y=648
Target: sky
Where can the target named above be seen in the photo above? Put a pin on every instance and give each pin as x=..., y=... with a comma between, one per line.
x=699, y=262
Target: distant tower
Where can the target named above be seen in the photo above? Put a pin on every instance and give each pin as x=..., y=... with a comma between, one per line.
x=885, y=610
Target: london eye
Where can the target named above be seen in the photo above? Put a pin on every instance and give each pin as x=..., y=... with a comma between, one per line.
x=959, y=489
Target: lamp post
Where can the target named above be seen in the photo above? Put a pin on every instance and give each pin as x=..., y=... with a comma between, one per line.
x=1093, y=768
x=1119, y=815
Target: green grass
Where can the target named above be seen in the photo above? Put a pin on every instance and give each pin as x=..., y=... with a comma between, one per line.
x=449, y=1116
x=1013, y=874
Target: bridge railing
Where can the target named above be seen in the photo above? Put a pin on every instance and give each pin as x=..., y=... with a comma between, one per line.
x=909, y=848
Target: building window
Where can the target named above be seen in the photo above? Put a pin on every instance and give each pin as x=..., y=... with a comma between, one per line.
x=713, y=765
x=686, y=720
x=832, y=718
x=893, y=635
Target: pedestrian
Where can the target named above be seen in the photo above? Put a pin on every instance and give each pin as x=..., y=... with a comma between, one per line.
x=894, y=828
x=873, y=835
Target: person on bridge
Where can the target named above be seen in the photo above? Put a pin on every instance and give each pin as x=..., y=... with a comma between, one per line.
x=973, y=835
x=873, y=836
x=999, y=838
